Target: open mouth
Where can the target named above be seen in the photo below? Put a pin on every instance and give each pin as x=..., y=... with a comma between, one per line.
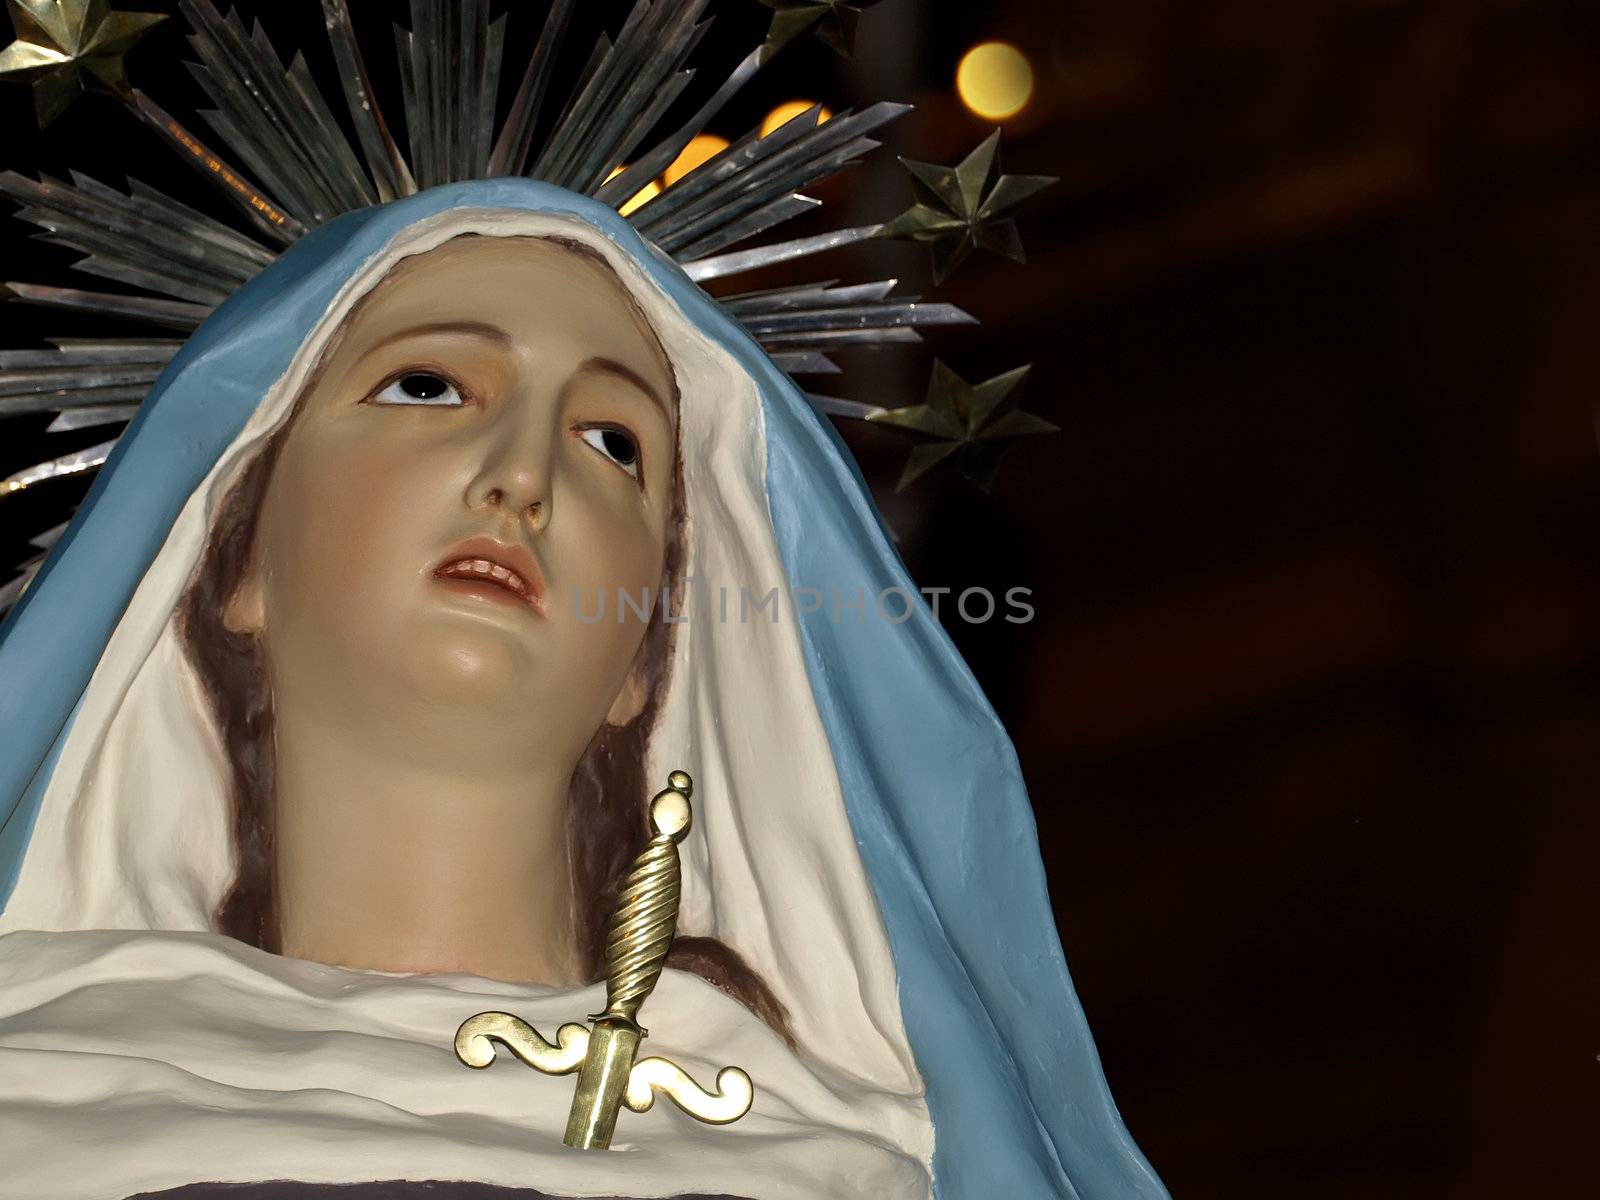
x=493, y=571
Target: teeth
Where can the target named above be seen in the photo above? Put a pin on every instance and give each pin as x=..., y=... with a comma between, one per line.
x=470, y=567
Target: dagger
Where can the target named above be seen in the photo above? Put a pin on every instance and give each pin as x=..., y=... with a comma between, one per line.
x=605, y=1054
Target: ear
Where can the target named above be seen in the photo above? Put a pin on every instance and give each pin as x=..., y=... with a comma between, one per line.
x=246, y=610
x=630, y=701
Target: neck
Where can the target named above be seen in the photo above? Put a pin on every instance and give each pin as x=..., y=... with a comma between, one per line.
x=393, y=864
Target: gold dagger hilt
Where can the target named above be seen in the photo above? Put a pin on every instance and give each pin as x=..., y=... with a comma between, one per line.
x=610, y=1073
x=646, y=918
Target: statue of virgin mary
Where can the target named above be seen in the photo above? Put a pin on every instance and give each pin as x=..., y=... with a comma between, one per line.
x=332, y=717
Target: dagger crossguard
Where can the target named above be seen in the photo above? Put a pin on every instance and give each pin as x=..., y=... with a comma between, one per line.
x=610, y=1073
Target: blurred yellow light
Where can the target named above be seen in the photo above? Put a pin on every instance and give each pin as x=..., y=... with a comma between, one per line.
x=704, y=146
x=645, y=194
x=648, y=192
x=995, y=80
x=787, y=112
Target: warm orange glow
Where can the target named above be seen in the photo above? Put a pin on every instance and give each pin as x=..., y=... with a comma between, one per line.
x=645, y=194
x=648, y=192
x=995, y=80
x=787, y=112
x=704, y=146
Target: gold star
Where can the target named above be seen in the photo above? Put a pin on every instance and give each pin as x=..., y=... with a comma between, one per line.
x=964, y=207
x=971, y=422
x=64, y=46
x=834, y=22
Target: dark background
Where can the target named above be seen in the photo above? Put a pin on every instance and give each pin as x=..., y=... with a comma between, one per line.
x=1308, y=710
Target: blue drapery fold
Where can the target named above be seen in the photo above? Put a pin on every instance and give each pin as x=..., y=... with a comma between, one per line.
x=931, y=783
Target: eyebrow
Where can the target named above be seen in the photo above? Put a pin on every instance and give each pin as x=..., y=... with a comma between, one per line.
x=612, y=367
x=477, y=329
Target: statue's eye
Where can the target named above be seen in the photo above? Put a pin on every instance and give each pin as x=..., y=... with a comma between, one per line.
x=616, y=444
x=419, y=387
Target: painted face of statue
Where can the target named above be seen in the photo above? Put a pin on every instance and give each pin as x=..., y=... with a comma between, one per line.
x=487, y=450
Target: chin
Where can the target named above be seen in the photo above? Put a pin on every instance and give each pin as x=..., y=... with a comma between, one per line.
x=472, y=664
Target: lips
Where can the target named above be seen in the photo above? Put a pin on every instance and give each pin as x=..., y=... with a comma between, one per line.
x=493, y=570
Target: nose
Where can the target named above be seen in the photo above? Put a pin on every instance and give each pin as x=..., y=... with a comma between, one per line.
x=515, y=466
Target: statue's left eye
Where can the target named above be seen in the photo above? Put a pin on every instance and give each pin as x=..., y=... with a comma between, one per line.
x=616, y=444
x=419, y=387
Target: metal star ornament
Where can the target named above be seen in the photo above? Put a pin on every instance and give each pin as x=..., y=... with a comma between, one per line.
x=65, y=46
x=833, y=21
x=963, y=208
x=970, y=423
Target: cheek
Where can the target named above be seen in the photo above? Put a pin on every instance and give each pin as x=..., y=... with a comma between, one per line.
x=607, y=540
x=343, y=526
x=602, y=546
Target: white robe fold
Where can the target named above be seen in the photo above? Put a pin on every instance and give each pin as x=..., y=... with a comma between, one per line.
x=163, y=1059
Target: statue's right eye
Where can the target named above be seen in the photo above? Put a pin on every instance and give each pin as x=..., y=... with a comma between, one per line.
x=419, y=387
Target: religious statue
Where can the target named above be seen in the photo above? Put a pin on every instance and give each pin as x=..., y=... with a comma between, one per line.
x=475, y=647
